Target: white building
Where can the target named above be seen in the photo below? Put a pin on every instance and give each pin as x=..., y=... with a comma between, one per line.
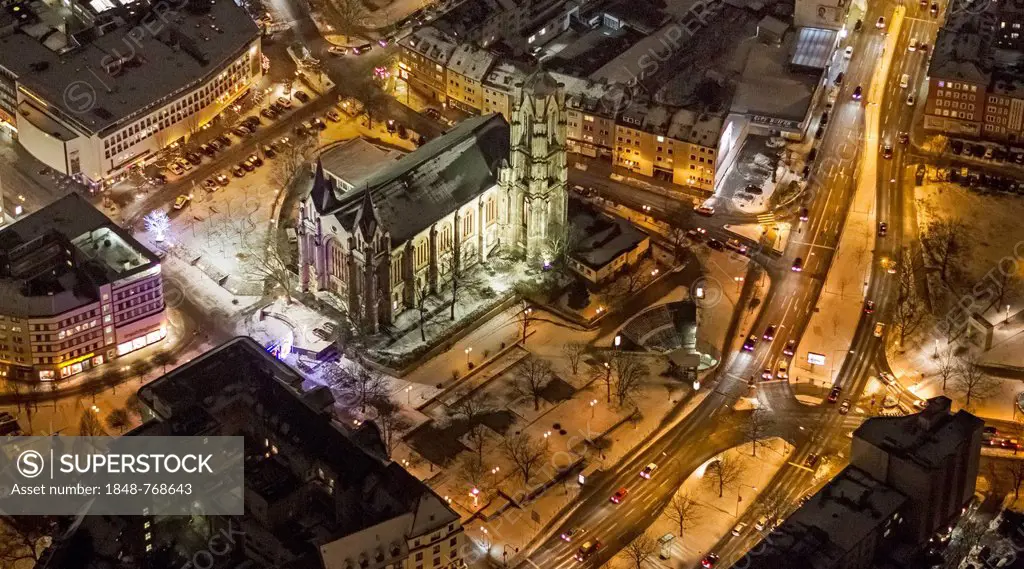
x=94, y=103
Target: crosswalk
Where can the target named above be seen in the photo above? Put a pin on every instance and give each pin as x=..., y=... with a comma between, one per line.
x=765, y=218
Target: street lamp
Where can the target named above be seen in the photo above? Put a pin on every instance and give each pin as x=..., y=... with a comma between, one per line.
x=739, y=282
x=474, y=493
x=408, y=395
x=593, y=405
x=618, y=340
x=468, y=350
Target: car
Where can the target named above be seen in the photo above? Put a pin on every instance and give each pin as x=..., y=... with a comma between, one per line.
x=820, y=131
x=434, y=114
x=806, y=172
x=904, y=81
x=619, y=495
x=194, y=158
x=238, y=171
x=301, y=96
x=255, y=159
x=241, y=132
x=880, y=24
x=648, y=471
x=736, y=245
x=333, y=116
x=889, y=265
x=361, y=49
x=181, y=201
x=716, y=245
x=252, y=122
x=224, y=140
x=812, y=155
x=337, y=50
x=824, y=117
x=269, y=113
x=957, y=146
x=210, y=185
x=750, y=343
x=934, y=9
x=989, y=153
x=278, y=108
x=221, y=179
x=912, y=46
x=766, y=374
x=978, y=150
x=857, y=92
x=739, y=528
x=587, y=550
x=804, y=214
x=798, y=265
x=709, y=561
x=570, y=533
x=844, y=408
x=284, y=102
x=858, y=25
x=903, y=137
x=989, y=432
x=319, y=124
x=207, y=150
x=869, y=306
x=763, y=523
x=769, y=333
x=247, y=165
x=1011, y=444
x=812, y=460
x=923, y=47
x=887, y=151
x=159, y=178
x=694, y=235
x=839, y=78
x=911, y=100
x=705, y=210
x=783, y=371
x=790, y=348
x=184, y=164
x=268, y=151
x=833, y=395
x=879, y=329
x=849, y=52
x=883, y=228
x=176, y=169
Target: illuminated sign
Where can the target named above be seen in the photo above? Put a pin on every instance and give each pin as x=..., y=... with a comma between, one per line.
x=815, y=359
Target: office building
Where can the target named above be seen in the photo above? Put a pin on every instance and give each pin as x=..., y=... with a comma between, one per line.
x=102, y=88
x=76, y=291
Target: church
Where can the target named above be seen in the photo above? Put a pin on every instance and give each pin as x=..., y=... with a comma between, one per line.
x=484, y=186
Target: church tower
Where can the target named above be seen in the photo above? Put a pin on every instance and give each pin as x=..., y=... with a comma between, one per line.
x=534, y=182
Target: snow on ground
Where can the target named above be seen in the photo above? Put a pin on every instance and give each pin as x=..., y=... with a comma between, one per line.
x=717, y=515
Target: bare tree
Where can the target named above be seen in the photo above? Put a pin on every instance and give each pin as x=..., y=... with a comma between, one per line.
x=472, y=471
x=362, y=385
x=573, y=351
x=678, y=238
x=1014, y=472
x=525, y=318
x=602, y=370
x=390, y=422
x=725, y=471
x=683, y=510
x=910, y=310
x=630, y=372
x=164, y=359
x=269, y=261
x=459, y=280
x=136, y=407
x=971, y=381
x=119, y=419
x=290, y=160
x=531, y=376
x=946, y=366
x=1007, y=285
x=476, y=436
x=23, y=540
x=524, y=452
x=421, y=308
x=945, y=242
x=757, y=428
x=89, y=425
x=638, y=551
x=472, y=407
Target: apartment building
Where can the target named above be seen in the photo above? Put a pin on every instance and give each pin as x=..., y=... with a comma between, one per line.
x=974, y=88
x=96, y=103
x=76, y=291
x=467, y=68
x=318, y=494
x=423, y=62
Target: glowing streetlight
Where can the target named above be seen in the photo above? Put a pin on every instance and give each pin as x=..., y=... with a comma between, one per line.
x=468, y=350
x=593, y=406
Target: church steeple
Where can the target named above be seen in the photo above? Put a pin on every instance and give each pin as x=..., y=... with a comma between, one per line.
x=538, y=168
x=366, y=216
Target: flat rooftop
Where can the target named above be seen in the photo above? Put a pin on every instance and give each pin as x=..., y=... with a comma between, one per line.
x=189, y=45
x=605, y=237
x=54, y=259
x=770, y=87
x=830, y=524
x=582, y=52
x=927, y=438
x=355, y=161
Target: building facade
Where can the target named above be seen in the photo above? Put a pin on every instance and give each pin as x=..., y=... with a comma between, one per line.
x=449, y=205
x=76, y=291
x=95, y=104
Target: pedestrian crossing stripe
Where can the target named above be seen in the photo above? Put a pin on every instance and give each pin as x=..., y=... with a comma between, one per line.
x=766, y=218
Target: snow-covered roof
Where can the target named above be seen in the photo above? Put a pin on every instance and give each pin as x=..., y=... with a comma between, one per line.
x=354, y=161
x=433, y=181
x=429, y=43
x=470, y=61
x=606, y=238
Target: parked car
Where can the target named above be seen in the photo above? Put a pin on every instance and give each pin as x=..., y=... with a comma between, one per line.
x=812, y=460
x=181, y=201
x=222, y=180
x=739, y=529
x=269, y=113
x=159, y=179
x=284, y=102
x=705, y=210
x=208, y=150
x=848, y=53
x=268, y=151
x=319, y=124
x=337, y=50
x=223, y=140
x=763, y=523
x=255, y=159
x=716, y=245
x=957, y=146
x=333, y=116
x=301, y=96
x=210, y=185
x=176, y=169
x=193, y=158
x=238, y=171
x=839, y=78
x=812, y=155
x=247, y=165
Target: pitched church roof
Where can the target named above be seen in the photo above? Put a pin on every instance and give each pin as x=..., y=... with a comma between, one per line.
x=322, y=194
x=424, y=186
